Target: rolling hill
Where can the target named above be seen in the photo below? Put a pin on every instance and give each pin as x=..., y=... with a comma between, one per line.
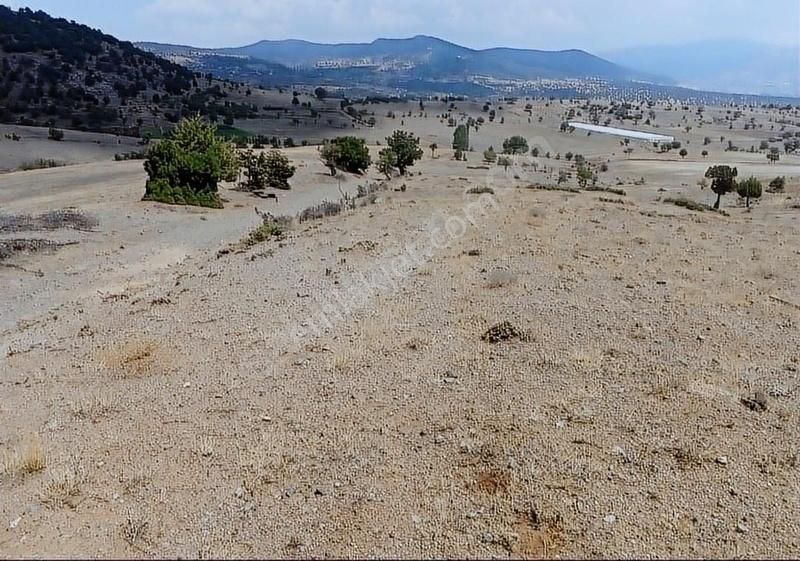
x=55, y=72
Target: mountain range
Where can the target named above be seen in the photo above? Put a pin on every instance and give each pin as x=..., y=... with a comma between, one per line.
x=392, y=61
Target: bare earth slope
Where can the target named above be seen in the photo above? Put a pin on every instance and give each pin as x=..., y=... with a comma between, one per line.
x=321, y=397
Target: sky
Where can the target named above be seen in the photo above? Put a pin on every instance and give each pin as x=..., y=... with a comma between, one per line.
x=592, y=25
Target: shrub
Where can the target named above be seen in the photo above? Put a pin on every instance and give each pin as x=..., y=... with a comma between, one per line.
x=41, y=163
x=187, y=167
x=777, y=185
x=504, y=161
x=387, y=162
x=515, y=145
x=347, y=153
x=490, y=156
x=55, y=134
x=480, y=190
x=688, y=204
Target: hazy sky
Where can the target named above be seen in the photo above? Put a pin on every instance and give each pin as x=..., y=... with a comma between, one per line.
x=594, y=25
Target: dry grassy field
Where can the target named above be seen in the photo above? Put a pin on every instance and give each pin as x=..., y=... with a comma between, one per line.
x=532, y=373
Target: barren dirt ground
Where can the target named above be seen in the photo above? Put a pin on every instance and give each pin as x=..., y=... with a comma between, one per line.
x=332, y=394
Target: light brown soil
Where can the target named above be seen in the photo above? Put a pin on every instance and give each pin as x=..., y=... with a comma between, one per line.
x=300, y=399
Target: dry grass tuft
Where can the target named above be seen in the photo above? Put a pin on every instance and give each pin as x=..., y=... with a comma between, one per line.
x=134, y=528
x=27, y=458
x=133, y=359
x=63, y=488
x=94, y=408
x=500, y=278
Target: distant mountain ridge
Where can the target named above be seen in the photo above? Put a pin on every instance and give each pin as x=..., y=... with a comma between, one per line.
x=427, y=57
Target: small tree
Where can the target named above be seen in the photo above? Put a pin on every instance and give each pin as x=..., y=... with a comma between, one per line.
x=704, y=153
x=387, y=161
x=278, y=170
x=749, y=189
x=321, y=93
x=433, y=147
x=515, y=145
x=777, y=185
x=461, y=138
x=683, y=153
x=489, y=156
x=406, y=148
x=504, y=161
x=773, y=155
x=348, y=153
x=585, y=175
x=723, y=181
x=55, y=134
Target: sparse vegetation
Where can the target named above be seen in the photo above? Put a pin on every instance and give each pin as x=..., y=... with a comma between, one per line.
x=483, y=189
x=41, y=163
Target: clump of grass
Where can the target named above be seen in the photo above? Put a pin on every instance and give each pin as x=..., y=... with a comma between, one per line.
x=41, y=163
x=322, y=210
x=123, y=156
x=688, y=204
x=270, y=227
x=483, y=189
x=620, y=192
x=553, y=188
x=29, y=457
x=134, y=528
x=615, y=201
x=63, y=488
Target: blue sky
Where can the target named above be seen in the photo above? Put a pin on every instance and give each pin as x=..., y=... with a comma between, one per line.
x=593, y=25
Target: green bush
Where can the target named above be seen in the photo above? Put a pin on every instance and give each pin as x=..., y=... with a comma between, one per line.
x=55, y=134
x=186, y=167
x=515, y=145
x=777, y=185
x=347, y=153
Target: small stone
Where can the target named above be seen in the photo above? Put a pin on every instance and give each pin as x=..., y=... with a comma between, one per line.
x=14, y=523
x=618, y=451
x=722, y=460
x=610, y=519
x=187, y=385
x=560, y=424
x=239, y=493
x=473, y=514
x=439, y=439
x=266, y=419
x=290, y=491
x=487, y=537
x=742, y=528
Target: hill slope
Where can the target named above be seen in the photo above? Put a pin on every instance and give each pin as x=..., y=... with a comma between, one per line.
x=58, y=73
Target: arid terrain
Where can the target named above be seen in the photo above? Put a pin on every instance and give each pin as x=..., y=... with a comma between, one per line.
x=532, y=373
